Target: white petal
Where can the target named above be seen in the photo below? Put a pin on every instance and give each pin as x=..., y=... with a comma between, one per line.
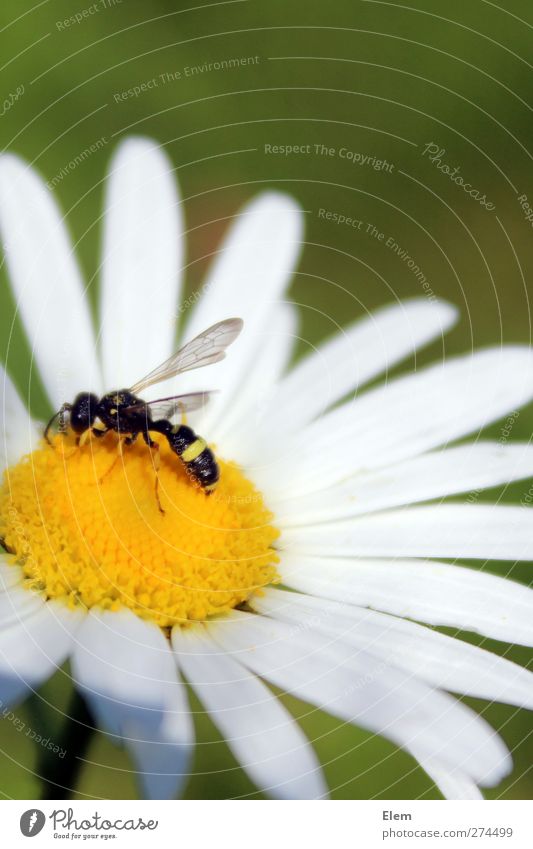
x=437, y=593
x=163, y=767
x=33, y=649
x=358, y=688
x=47, y=283
x=10, y=574
x=18, y=433
x=125, y=668
x=408, y=416
x=354, y=356
x=442, y=661
x=253, y=403
x=17, y=603
x=452, y=784
x=248, y=279
x=484, y=531
x=466, y=468
x=262, y=735
x=142, y=262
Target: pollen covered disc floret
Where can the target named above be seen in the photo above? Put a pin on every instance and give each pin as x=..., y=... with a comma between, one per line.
x=92, y=534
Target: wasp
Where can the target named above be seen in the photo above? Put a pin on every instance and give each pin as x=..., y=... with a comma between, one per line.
x=128, y=415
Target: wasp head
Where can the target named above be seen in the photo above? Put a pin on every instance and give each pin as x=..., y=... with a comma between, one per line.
x=83, y=412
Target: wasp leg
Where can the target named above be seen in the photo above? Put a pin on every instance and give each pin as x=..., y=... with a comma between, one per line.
x=112, y=466
x=121, y=441
x=150, y=442
x=156, y=459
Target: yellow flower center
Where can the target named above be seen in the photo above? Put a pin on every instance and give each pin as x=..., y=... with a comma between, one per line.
x=96, y=537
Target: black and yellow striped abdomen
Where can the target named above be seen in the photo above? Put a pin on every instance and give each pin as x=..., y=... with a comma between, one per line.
x=198, y=459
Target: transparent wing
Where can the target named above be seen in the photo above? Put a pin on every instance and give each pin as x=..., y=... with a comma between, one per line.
x=166, y=408
x=209, y=347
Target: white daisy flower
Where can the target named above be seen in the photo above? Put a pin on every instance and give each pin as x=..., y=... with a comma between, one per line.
x=324, y=499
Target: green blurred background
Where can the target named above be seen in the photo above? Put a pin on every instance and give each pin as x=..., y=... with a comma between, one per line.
x=379, y=79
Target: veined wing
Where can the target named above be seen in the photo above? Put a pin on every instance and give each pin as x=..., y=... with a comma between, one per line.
x=166, y=408
x=209, y=347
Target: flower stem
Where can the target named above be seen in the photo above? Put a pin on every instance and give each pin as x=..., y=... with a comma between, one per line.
x=59, y=774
